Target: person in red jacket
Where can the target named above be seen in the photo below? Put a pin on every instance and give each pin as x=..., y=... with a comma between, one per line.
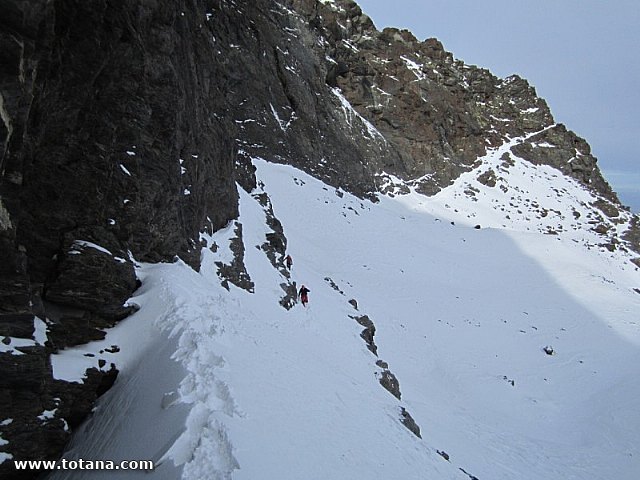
x=303, y=294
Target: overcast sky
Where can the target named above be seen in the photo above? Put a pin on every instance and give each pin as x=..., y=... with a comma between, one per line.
x=582, y=56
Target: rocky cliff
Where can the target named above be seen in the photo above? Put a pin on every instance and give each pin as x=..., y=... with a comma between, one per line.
x=126, y=125
x=112, y=150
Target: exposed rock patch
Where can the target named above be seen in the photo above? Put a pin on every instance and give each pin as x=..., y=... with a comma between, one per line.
x=443, y=454
x=236, y=272
x=335, y=286
x=408, y=421
x=472, y=477
x=570, y=154
x=386, y=378
x=488, y=178
x=275, y=249
x=368, y=333
x=276, y=245
x=290, y=297
x=390, y=383
x=632, y=234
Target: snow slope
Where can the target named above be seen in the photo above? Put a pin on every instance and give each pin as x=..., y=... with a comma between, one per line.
x=232, y=385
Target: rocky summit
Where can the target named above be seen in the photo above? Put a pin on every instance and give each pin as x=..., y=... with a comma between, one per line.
x=126, y=126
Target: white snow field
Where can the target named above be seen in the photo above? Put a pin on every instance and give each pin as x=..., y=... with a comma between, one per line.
x=219, y=384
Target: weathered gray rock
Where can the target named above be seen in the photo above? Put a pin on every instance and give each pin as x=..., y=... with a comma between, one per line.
x=568, y=153
x=488, y=178
x=368, y=333
x=632, y=235
x=389, y=381
x=471, y=477
x=290, y=298
x=275, y=246
x=437, y=114
x=407, y=420
x=236, y=272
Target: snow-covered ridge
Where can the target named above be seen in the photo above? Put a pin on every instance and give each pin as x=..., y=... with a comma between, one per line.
x=508, y=193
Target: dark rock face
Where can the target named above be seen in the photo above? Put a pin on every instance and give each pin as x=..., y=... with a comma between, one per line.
x=282, y=105
x=389, y=381
x=91, y=279
x=236, y=272
x=26, y=391
x=368, y=333
x=112, y=140
x=119, y=130
x=407, y=420
x=633, y=236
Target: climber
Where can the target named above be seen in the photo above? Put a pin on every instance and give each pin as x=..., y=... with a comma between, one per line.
x=303, y=295
x=289, y=261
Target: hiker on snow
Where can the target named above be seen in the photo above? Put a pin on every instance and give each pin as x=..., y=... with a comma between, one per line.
x=303, y=295
x=289, y=261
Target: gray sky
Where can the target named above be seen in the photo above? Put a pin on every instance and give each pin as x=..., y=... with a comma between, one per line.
x=582, y=56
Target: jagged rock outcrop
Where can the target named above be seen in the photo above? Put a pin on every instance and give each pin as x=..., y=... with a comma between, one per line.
x=407, y=420
x=368, y=333
x=437, y=114
x=235, y=271
x=565, y=151
x=124, y=127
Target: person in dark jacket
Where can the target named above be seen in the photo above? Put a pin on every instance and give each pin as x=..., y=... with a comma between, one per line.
x=303, y=294
x=288, y=261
